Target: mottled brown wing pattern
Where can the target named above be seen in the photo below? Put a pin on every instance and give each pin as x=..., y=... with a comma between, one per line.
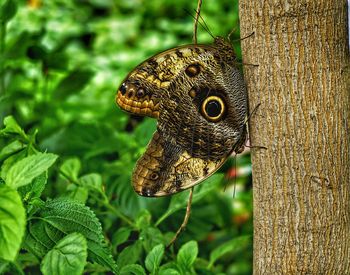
x=198, y=96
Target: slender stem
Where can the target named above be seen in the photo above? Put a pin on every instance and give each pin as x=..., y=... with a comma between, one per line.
x=195, y=26
x=185, y=221
x=161, y=219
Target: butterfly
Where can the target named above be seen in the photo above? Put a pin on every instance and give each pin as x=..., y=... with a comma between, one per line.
x=198, y=96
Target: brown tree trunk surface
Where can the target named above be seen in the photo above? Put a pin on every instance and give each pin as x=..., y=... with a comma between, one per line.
x=301, y=181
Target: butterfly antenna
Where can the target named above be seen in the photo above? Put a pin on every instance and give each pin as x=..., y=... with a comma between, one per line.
x=200, y=23
x=205, y=26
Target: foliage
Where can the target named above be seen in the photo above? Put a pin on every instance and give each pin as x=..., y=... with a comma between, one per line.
x=67, y=152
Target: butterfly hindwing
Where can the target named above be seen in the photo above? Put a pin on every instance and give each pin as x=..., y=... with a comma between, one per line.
x=167, y=169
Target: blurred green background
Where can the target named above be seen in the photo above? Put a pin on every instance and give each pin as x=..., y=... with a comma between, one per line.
x=61, y=64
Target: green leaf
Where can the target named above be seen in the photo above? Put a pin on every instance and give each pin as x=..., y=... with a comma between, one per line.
x=121, y=236
x=12, y=127
x=144, y=131
x=7, y=267
x=38, y=185
x=34, y=205
x=11, y=148
x=92, y=181
x=41, y=237
x=68, y=256
x=230, y=246
x=143, y=219
x=12, y=222
x=154, y=258
x=8, y=10
x=16, y=48
x=130, y=254
x=60, y=217
x=128, y=201
x=71, y=168
x=73, y=83
x=68, y=216
x=151, y=236
x=4, y=266
x=132, y=269
x=25, y=170
x=10, y=161
x=77, y=193
x=35, y=188
x=187, y=254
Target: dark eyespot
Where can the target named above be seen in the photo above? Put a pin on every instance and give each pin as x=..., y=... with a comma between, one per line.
x=140, y=93
x=193, y=70
x=213, y=108
x=154, y=176
x=123, y=88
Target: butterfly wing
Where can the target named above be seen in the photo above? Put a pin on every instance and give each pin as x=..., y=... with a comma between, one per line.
x=144, y=88
x=165, y=168
x=193, y=92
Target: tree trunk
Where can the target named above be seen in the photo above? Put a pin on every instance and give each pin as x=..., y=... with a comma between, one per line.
x=301, y=181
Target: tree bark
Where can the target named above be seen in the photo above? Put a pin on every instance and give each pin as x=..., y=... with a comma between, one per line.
x=301, y=181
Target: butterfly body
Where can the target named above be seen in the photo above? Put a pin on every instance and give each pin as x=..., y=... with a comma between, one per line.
x=198, y=96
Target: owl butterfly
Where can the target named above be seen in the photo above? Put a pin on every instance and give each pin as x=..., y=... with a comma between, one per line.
x=197, y=94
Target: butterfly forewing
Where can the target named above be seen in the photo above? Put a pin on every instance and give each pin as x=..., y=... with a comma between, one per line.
x=198, y=96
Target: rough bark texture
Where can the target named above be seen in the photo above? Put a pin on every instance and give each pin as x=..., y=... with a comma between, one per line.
x=301, y=181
